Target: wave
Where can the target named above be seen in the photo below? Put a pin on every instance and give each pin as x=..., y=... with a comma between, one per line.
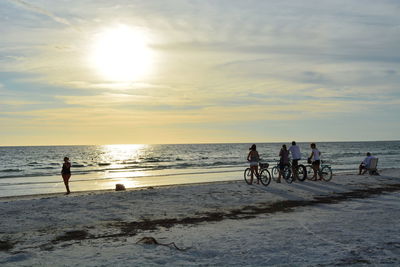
x=154, y=160
x=11, y=170
x=129, y=162
x=80, y=168
x=224, y=163
x=341, y=164
x=113, y=178
x=78, y=165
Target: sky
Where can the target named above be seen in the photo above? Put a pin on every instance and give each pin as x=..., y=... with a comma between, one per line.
x=198, y=71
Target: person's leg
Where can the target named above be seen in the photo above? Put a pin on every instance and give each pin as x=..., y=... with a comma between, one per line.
x=294, y=169
x=314, y=167
x=319, y=171
x=279, y=173
x=365, y=169
x=252, y=174
x=66, y=182
x=362, y=169
x=258, y=175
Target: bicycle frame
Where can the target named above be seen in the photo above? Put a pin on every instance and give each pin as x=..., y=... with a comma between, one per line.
x=324, y=172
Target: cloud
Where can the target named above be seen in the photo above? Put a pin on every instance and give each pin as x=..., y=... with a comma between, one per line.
x=41, y=11
x=216, y=63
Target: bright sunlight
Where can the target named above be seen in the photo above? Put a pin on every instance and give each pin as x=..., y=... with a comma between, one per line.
x=121, y=54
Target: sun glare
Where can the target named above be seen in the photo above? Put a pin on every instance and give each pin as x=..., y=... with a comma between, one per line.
x=121, y=54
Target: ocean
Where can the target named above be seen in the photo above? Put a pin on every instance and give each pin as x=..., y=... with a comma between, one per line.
x=26, y=170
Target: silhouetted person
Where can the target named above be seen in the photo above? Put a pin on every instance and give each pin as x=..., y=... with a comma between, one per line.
x=296, y=156
x=66, y=173
x=365, y=164
x=283, y=161
x=315, y=160
x=253, y=157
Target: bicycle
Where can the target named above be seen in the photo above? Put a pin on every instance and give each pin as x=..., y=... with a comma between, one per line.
x=288, y=174
x=324, y=172
x=263, y=176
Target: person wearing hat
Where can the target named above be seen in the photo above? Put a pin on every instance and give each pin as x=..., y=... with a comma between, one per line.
x=66, y=173
x=253, y=157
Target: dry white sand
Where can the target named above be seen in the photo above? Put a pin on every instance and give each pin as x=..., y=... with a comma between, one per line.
x=225, y=223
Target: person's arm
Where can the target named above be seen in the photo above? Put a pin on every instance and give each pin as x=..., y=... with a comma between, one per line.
x=248, y=156
x=364, y=162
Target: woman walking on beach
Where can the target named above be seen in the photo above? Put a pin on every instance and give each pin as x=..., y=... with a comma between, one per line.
x=283, y=161
x=253, y=157
x=315, y=160
x=66, y=173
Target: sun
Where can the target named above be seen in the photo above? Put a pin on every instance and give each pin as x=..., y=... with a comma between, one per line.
x=121, y=54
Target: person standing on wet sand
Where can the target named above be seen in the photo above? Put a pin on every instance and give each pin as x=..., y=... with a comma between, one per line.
x=283, y=161
x=253, y=158
x=294, y=149
x=66, y=173
x=315, y=161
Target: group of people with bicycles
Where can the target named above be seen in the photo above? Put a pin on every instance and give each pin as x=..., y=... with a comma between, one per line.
x=288, y=168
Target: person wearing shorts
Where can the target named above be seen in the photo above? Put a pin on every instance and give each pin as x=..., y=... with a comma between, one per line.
x=294, y=150
x=253, y=158
x=315, y=160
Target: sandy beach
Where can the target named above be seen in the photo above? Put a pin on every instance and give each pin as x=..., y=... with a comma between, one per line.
x=177, y=102
x=349, y=220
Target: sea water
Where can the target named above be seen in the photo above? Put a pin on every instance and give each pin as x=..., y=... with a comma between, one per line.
x=36, y=169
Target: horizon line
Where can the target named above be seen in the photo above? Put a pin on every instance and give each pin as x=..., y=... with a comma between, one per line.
x=205, y=143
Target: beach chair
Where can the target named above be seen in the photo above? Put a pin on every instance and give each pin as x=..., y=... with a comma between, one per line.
x=372, y=169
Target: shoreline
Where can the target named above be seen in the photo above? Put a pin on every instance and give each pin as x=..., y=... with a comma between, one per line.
x=145, y=187
x=84, y=186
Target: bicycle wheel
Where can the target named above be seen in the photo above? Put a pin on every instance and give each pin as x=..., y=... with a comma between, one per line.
x=287, y=174
x=247, y=175
x=265, y=177
x=310, y=173
x=326, y=173
x=301, y=172
x=275, y=173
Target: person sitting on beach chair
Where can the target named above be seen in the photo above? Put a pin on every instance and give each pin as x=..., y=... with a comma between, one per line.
x=369, y=164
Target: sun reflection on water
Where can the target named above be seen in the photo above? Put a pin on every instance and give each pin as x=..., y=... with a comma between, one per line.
x=122, y=153
x=121, y=160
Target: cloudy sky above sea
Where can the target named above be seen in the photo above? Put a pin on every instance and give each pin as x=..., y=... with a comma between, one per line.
x=198, y=71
